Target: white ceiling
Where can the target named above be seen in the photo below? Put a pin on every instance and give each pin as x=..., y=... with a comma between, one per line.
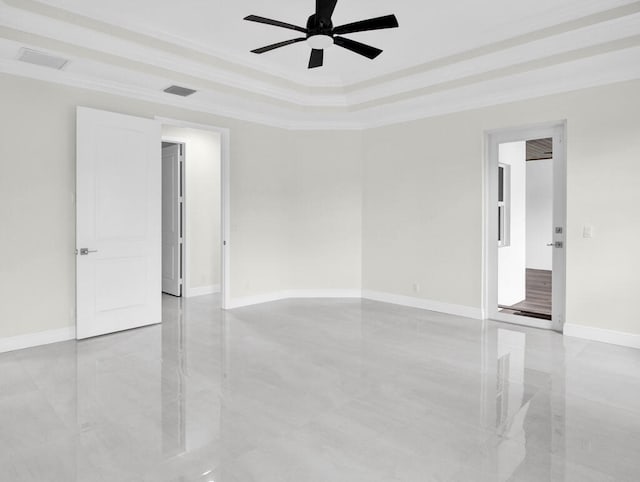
x=428, y=30
x=445, y=57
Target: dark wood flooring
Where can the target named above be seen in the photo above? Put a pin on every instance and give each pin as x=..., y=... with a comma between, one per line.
x=538, y=301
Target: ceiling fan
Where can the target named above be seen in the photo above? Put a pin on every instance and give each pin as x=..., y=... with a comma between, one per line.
x=320, y=32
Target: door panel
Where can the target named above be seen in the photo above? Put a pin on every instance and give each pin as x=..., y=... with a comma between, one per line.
x=171, y=220
x=118, y=214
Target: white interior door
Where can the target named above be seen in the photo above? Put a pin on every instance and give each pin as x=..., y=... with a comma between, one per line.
x=118, y=216
x=171, y=220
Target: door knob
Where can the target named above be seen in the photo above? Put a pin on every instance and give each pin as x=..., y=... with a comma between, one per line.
x=86, y=251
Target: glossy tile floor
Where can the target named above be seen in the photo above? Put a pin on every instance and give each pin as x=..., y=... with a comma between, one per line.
x=320, y=390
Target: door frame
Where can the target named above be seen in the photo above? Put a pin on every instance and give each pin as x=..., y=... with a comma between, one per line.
x=225, y=204
x=492, y=138
x=184, y=289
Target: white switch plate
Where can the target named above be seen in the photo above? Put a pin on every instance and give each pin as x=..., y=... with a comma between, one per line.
x=587, y=232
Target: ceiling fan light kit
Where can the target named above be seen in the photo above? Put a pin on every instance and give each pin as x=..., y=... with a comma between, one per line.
x=321, y=34
x=320, y=41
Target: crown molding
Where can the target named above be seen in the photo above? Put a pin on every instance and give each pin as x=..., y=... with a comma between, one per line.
x=501, y=64
x=606, y=68
x=300, y=122
x=40, y=23
x=616, y=35
x=81, y=43
x=580, y=15
x=582, y=25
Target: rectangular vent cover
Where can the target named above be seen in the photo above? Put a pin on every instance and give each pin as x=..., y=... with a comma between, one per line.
x=42, y=59
x=181, y=91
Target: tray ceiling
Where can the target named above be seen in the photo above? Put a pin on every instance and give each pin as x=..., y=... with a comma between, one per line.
x=443, y=51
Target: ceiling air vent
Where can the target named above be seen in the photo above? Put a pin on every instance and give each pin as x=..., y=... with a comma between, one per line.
x=181, y=91
x=42, y=59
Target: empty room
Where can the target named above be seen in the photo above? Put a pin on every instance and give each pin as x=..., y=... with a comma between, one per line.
x=309, y=241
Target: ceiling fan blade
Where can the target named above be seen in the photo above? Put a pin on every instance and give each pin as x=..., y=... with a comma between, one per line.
x=262, y=50
x=275, y=23
x=317, y=57
x=357, y=47
x=325, y=8
x=378, y=23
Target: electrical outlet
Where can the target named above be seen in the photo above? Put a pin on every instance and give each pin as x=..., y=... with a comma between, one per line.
x=416, y=288
x=587, y=232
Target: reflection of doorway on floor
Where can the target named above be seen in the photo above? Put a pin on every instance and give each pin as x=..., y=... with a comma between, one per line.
x=525, y=225
x=192, y=230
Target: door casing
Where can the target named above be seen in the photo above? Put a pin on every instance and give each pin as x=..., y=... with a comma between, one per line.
x=225, y=204
x=493, y=138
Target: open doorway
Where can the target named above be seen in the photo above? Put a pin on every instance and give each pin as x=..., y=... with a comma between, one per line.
x=191, y=211
x=525, y=218
x=525, y=226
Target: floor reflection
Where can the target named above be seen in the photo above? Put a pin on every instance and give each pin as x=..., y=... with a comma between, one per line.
x=525, y=421
x=317, y=390
x=174, y=372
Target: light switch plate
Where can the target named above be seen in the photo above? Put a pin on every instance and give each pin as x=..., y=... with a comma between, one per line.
x=587, y=232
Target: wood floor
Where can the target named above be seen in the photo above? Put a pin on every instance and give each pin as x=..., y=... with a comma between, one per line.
x=538, y=301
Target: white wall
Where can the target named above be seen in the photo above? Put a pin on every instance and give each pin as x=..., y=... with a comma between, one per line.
x=422, y=218
x=323, y=200
x=512, y=259
x=203, y=205
x=539, y=214
x=270, y=214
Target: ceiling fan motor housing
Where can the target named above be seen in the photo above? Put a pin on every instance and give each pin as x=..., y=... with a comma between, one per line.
x=319, y=26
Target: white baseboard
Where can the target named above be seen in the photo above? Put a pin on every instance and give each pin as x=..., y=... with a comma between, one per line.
x=202, y=290
x=255, y=300
x=578, y=331
x=289, y=294
x=36, y=339
x=600, y=334
x=466, y=311
x=440, y=307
